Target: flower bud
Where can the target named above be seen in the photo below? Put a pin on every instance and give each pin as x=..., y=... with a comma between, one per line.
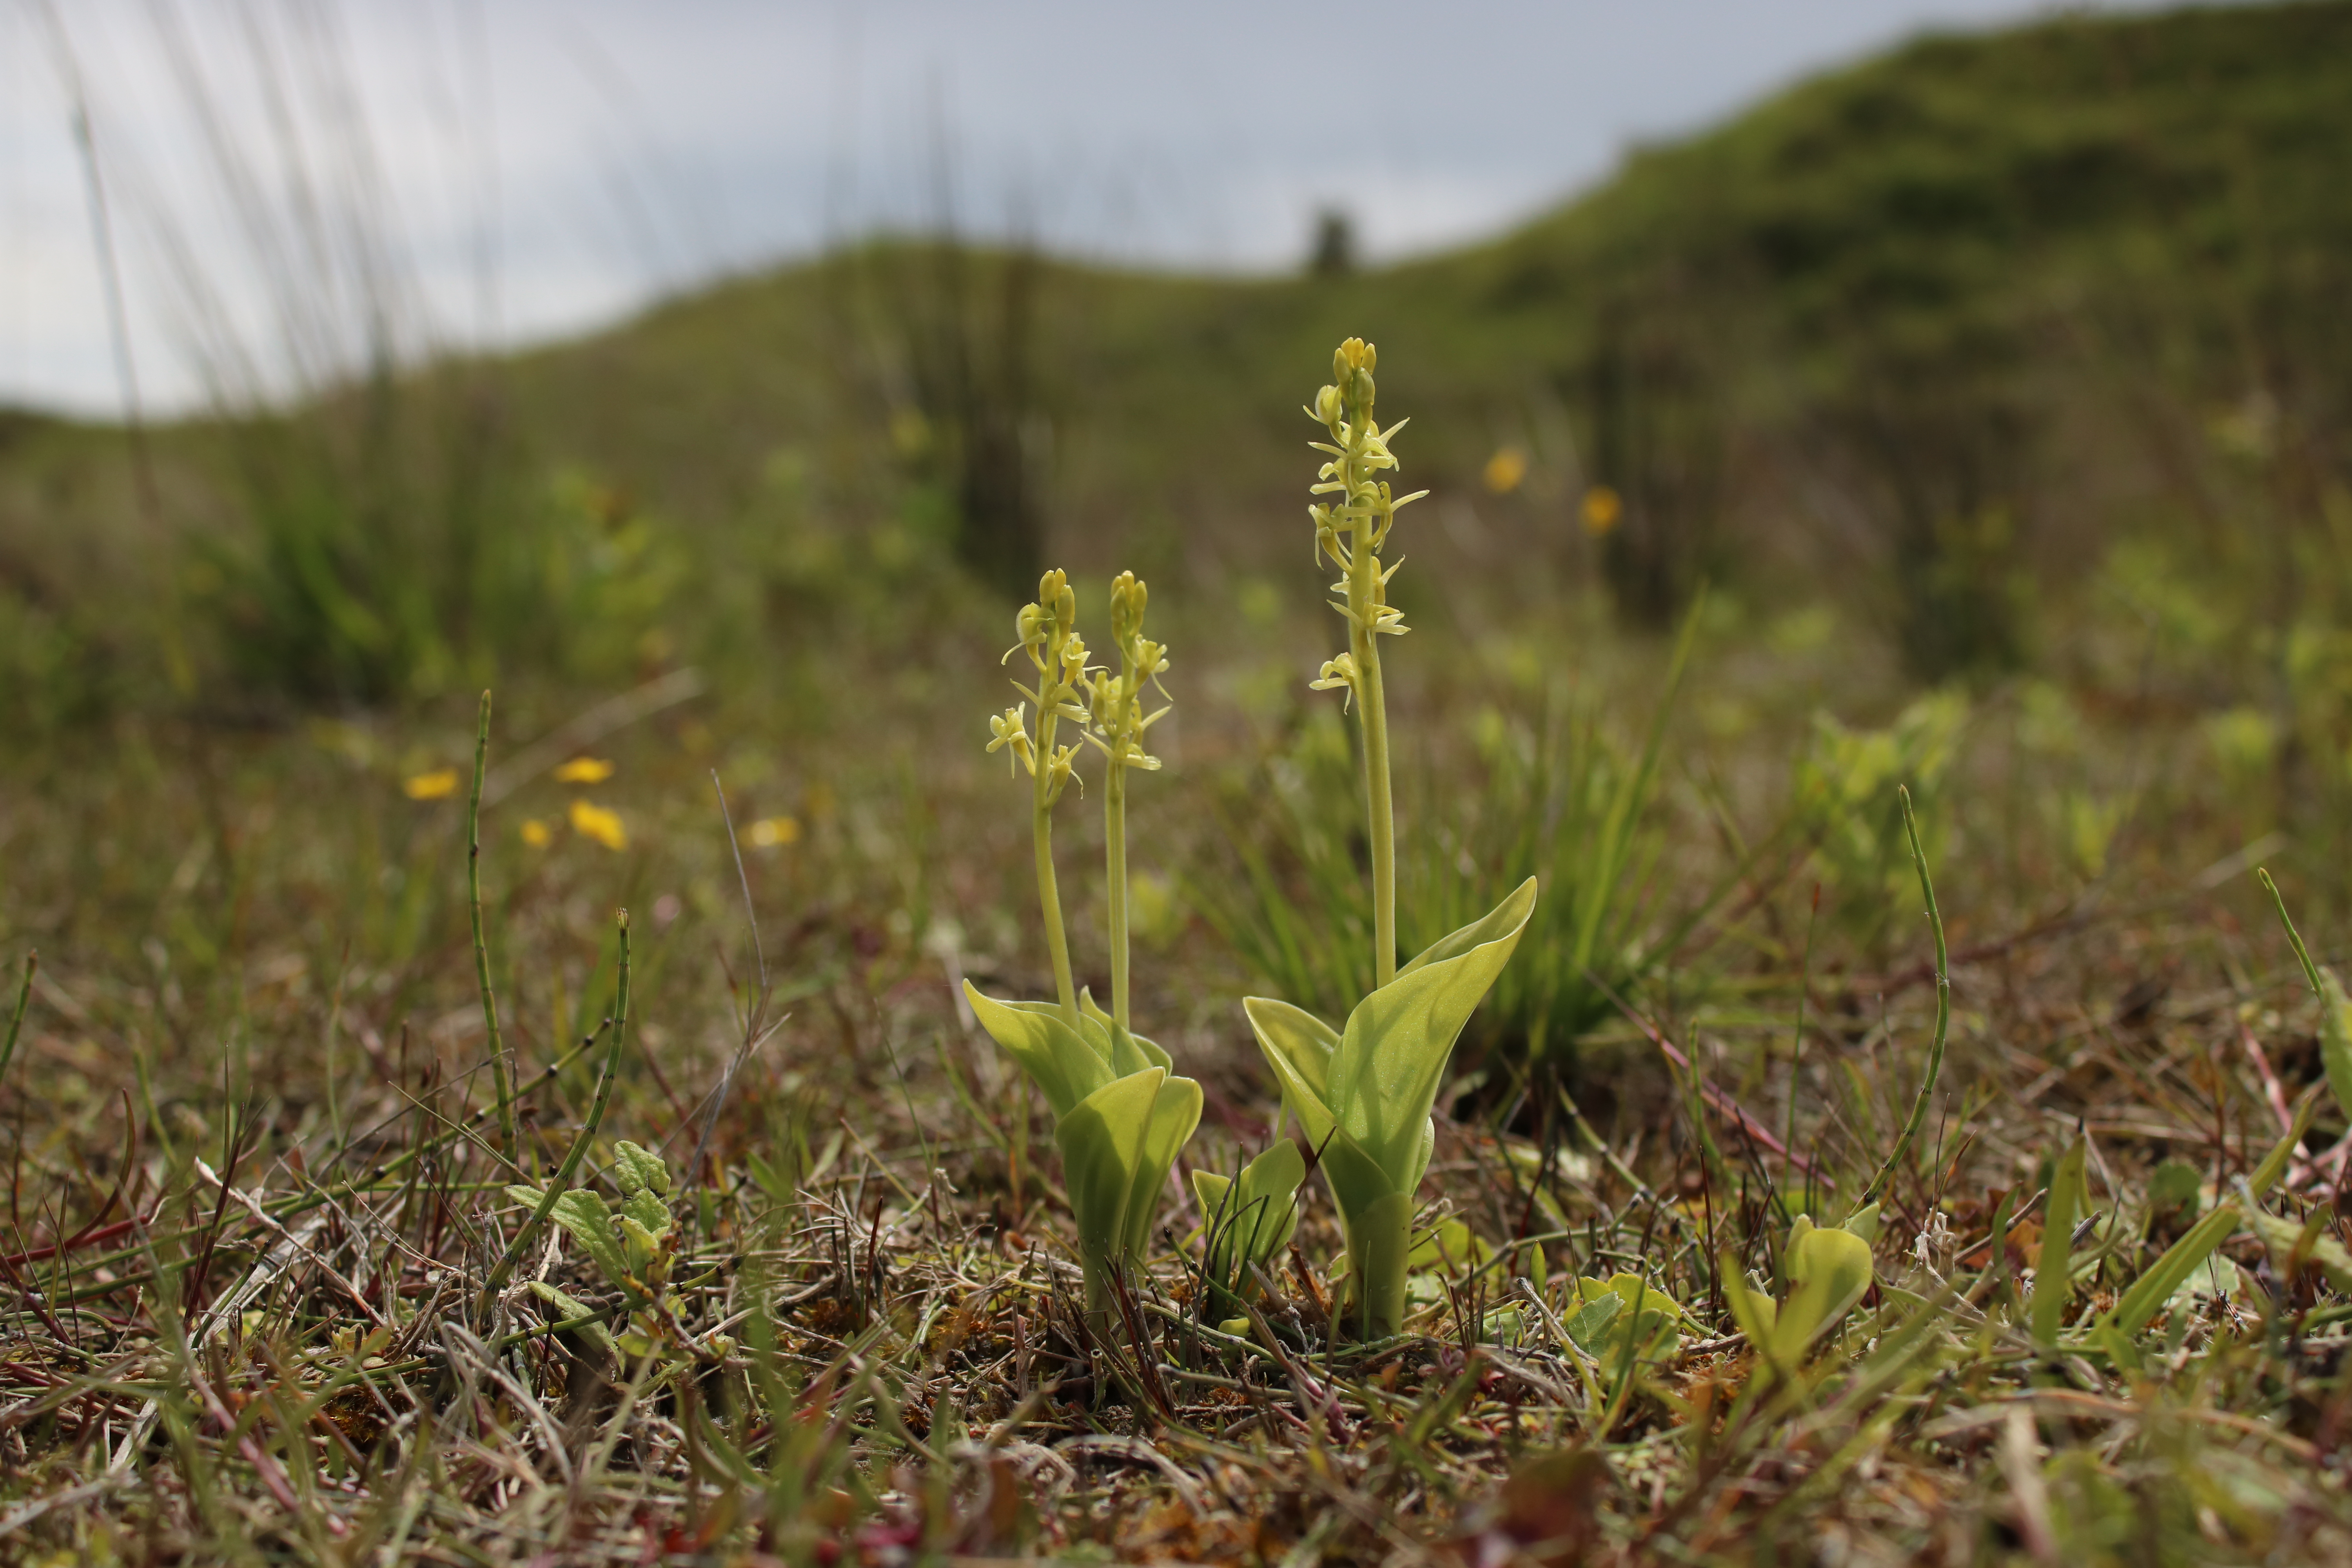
x=1128, y=596
x=1327, y=406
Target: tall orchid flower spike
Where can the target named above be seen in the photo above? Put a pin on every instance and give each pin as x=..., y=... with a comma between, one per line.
x=1120, y=1113
x=1363, y=1094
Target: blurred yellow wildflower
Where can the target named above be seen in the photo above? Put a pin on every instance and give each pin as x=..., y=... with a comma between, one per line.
x=1602, y=508
x=1505, y=469
x=769, y=832
x=438, y=784
x=537, y=834
x=584, y=770
x=590, y=821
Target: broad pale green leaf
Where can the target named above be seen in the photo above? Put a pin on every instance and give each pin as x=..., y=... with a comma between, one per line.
x=1383, y=1076
x=1379, y=1240
x=1047, y=1048
x=1829, y=1270
x=1420, y=1166
x=1273, y=1180
x=1863, y=1222
x=1174, y=1113
x=1355, y=1178
x=1504, y=920
x=1125, y=1051
x=1153, y=1055
x=2336, y=1039
x=638, y=1170
x=1297, y=1046
x=1102, y=1142
x=1209, y=1190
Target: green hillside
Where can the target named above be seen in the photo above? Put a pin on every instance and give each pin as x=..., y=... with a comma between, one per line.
x=1971, y=307
x=1924, y=335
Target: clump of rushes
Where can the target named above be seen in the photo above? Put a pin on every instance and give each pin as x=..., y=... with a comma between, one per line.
x=1363, y=1095
x=1120, y=1113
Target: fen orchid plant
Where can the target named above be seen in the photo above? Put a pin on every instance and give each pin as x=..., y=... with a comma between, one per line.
x=1363, y=1094
x=1120, y=1111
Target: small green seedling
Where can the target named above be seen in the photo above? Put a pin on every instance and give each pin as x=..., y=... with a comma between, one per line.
x=1623, y=1315
x=1828, y=1270
x=1249, y=1220
x=1363, y=1094
x=634, y=1246
x=1120, y=1113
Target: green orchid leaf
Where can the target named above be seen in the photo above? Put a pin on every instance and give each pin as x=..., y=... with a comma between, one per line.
x=1114, y=1044
x=1380, y=1242
x=1209, y=1190
x=1174, y=1113
x=1249, y=1221
x=1272, y=1178
x=1497, y=924
x=1299, y=1047
x=1755, y=1312
x=1383, y=1078
x=1863, y=1222
x=2148, y=1294
x=1102, y=1142
x=637, y=1170
x=1829, y=1271
x=1420, y=1165
x=586, y=1220
x=1153, y=1055
x=1355, y=1178
x=1052, y=1053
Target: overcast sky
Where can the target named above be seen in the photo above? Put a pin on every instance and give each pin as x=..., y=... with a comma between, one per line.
x=285, y=177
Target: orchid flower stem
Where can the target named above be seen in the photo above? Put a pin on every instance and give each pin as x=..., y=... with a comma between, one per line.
x=1379, y=802
x=1049, y=900
x=1114, y=855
